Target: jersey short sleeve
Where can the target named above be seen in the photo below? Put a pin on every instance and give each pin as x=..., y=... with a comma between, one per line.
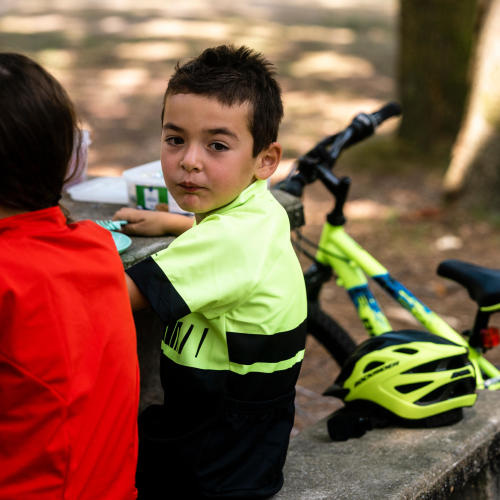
x=211, y=269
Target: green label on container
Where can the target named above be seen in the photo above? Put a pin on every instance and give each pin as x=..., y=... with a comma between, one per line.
x=149, y=196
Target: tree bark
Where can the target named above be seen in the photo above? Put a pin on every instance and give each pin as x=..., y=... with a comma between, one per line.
x=477, y=147
x=436, y=41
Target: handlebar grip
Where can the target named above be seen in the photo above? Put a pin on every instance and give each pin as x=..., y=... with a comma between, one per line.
x=327, y=151
x=364, y=124
x=389, y=110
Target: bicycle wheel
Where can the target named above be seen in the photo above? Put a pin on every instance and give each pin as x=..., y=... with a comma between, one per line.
x=329, y=333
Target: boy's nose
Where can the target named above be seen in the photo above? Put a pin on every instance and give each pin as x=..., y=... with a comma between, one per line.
x=191, y=160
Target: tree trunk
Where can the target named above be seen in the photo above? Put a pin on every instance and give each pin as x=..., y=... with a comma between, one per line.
x=436, y=41
x=477, y=148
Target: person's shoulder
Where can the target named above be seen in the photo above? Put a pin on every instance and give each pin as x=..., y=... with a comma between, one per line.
x=88, y=227
x=267, y=216
x=226, y=230
x=93, y=234
x=203, y=242
x=262, y=208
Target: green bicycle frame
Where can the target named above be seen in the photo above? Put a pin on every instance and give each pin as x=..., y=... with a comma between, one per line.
x=352, y=264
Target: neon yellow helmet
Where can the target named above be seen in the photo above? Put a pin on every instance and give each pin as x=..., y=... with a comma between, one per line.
x=410, y=377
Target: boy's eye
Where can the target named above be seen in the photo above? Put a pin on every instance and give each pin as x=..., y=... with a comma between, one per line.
x=218, y=146
x=174, y=140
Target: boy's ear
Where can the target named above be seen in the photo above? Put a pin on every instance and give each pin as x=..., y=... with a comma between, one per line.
x=268, y=161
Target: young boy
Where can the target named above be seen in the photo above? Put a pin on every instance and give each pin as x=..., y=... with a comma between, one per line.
x=230, y=290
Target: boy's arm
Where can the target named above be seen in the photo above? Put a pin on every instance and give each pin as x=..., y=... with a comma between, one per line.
x=137, y=300
x=152, y=222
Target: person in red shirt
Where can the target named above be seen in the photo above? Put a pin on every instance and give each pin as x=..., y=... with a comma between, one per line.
x=69, y=378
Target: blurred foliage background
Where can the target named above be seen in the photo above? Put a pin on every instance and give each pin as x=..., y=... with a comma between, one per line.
x=334, y=58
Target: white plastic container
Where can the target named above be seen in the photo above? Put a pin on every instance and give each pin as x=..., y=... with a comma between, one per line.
x=146, y=187
x=101, y=190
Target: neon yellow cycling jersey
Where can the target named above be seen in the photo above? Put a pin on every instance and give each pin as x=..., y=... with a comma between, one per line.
x=232, y=295
x=238, y=274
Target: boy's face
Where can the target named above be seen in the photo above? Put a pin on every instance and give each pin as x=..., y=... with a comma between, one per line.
x=206, y=152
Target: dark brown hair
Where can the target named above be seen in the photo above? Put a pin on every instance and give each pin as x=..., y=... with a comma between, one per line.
x=38, y=130
x=234, y=76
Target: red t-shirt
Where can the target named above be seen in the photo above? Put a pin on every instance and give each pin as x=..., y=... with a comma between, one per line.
x=69, y=378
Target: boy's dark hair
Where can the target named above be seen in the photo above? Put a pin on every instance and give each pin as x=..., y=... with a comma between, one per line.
x=37, y=134
x=234, y=76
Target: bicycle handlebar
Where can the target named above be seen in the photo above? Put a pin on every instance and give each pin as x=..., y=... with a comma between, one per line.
x=319, y=161
x=364, y=124
x=388, y=111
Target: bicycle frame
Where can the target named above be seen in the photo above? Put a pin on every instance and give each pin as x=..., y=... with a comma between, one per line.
x=352, y=264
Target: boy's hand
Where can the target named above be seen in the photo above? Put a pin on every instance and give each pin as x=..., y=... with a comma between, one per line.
x=152, y=222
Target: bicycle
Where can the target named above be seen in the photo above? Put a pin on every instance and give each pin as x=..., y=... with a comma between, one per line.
x=337, y=254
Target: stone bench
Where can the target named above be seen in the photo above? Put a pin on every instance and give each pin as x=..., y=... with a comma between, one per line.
x=460, y=461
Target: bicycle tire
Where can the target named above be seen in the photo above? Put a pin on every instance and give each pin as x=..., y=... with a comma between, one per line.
x=335, y=339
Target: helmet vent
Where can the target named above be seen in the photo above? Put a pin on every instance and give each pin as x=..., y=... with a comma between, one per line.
x=449, y=391
x=452, y=363
x=372, y=366
x=406, y=350
x=405, y=389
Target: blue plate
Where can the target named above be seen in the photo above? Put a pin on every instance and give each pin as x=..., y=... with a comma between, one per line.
x=122, y=241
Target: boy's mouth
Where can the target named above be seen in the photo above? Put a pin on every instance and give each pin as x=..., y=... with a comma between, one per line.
x=189, y=187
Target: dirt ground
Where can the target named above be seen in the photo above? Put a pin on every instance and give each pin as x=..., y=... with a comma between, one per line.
x=334, y=58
